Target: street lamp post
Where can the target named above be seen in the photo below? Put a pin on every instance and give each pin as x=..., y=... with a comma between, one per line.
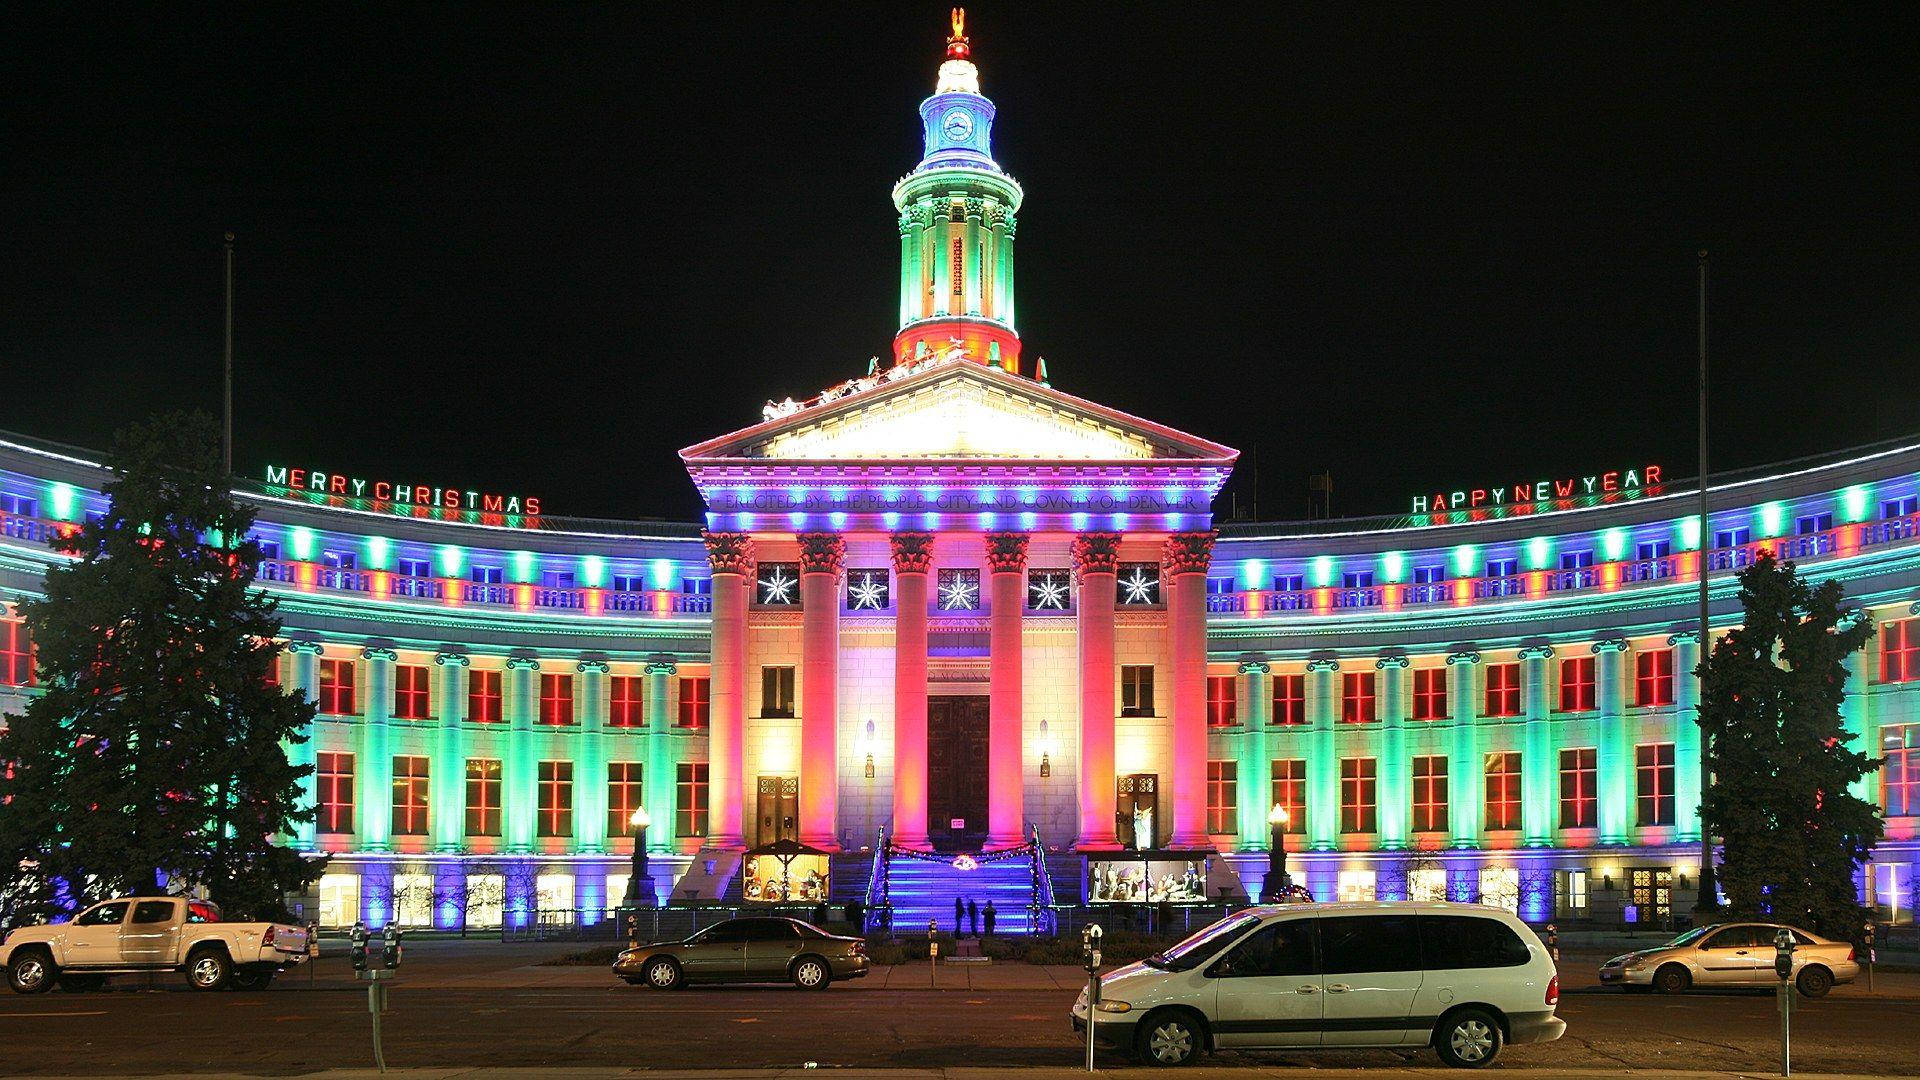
x=1277, y=884
x=639, y=820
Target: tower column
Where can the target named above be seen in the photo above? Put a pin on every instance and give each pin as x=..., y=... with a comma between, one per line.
x=1396, y=766
x=1186, y=557
x=912, y=561
x=731, y=557
x=1323, y=762
x=821, y=557
x=1538, y=769
x=1463, y=754
x=1096, y=562
x=1615, y=757
x=1256, y=774
x=376, y=789
x=519, y=775
x=971, y=256
x=1006, y=790
x=447, y=803
x=590, y=761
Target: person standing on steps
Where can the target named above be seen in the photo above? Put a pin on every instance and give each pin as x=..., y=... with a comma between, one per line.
x=973, y=917
x=990, y=916
x=959, y=917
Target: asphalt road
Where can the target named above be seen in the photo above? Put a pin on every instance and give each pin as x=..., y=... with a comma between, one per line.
x=299, y=1026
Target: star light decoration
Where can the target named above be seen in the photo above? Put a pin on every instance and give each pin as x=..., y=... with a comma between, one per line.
x=778, y=585
x=959, y=590
x=1047, y=590
x=867, y=590
x=1140, y=584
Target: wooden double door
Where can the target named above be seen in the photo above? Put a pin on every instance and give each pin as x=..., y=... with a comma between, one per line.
x=957, y=740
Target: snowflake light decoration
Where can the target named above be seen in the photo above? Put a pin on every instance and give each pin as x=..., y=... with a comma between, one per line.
x=867, y=590
x=1140, y=585
x=959, y=590
x=777, y=586
x=1047, y=590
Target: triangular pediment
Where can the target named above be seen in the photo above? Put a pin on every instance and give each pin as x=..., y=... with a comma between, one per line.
x=955, y=411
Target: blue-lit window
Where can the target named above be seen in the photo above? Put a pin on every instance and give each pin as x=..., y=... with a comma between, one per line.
x=1429, y=575
x=1576, y=560
x=1357, y=579
x=1813, y=523
x=556, y=579
x=1220, y=586
x=1653, y=549
x=338, y=560
x=1290, y=583
x=1894, y=508
x=269, y=549
x=629, y=583
x=17, y=505
x=695, y=586
x=486, y=575
x=1732, y=538
x=414, y=567
x=1498, y=568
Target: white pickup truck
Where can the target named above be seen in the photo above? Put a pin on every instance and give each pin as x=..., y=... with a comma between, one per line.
x=141, y=934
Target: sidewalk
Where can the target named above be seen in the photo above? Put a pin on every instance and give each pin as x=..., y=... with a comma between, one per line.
x=902, y=977
x=1435, y=1072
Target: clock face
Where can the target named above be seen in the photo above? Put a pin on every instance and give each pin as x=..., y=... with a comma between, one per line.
x=957, y=125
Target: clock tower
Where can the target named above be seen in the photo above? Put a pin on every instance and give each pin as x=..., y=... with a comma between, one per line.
x=957, y=212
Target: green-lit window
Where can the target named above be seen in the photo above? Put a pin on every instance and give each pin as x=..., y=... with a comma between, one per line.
x=1359, y=804
x=1503, y=789
x=1430, y=794
x=1429, y=693
x=556, y=798
x=483, y=796
x=1223, y=796
x=1577, y=687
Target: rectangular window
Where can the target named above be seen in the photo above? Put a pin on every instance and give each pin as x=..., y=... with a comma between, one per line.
x=1576, y=560
x=486, y=575
x=1577, y=684
x=1222, y=707
x=483, y=697
x=1357, y=579
x=1648, y=550
x=556, y=579
x=1813, y=523
x=336, y=688
x=1430, y=794
x=1900, y=776
x=1290, y=583
x=483, y=796
x=696, y=586
x=1358, y=803
x=690, y=799
x=1578, y=785
x=1290, y=792
x=556, y=798
x=1289, y=700
x=1570, y=892
x=624, y=795
x=1653, y=678
x=1430, y=575
x=16, y=654
x=1430, y=693
x=556, y=699
x=1356, y=698
x=409, y=796
x=629, y=583
x=1653, y=774
x=1732, y=538
x=1899, y=508
x=410, y=694
x=334, y=792
x=695, y=707
x=776, y=691
x=18, y=506
x=413, y=568
x=1503, y=789
x=1136, y=690
x=338, y=560
x=1503, y=690
x=1223, y=796
x=624, y=707
x=1900, y=651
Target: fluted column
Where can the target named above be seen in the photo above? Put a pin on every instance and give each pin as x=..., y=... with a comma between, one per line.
x=912, y=562
x=731, y=557
x=1007, y=597
x=375, y=819
x=590, y=767
x=1539, y=772
x=306, y=683
x=1463, y=752
x=1323, y=760
x=657, y=789
x=1096, y=562
x=975, y=209
x=1396, y=767
x=448, y=770
x=1615, y=756
x=1256, y=772
x=1186, y=558
x=821, y=557
x=1856, y=712
x=519, y=773
x=1686, y=735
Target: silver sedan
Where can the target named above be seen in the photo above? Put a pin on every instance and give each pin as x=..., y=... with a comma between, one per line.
x=1732, y=954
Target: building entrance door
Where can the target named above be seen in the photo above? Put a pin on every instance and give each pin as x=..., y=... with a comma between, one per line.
x=779, y=808
x=957, y=772
x=1650, y=893
x=1137, y=811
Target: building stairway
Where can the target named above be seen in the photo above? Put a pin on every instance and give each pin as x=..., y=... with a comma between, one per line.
x=922, y=889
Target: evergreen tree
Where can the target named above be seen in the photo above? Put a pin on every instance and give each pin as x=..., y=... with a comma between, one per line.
x=154, y=759
x=1782, y=761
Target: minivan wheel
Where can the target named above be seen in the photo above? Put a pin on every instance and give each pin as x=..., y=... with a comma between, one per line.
x=1814, y=982
x=1672, y=979
x=811, y=973
x=1468, y=1039
x=1169, y=1039
x=663, y=974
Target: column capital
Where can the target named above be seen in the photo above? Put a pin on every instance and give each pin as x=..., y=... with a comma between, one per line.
x=452, y=659
x=1607, y=645
x=1317, y=666
x=1684, y=637
x=522, y=663
x=822, y=553
x=1465, y=656
x=1255, y=667
x=379, y=652
x=1397, y=661
x=729, y=553
x=1007, y=552
x=312, y=647
x=1096, y=553
x=662, y=665
x=1188, y=553
x=912, y=552
x=592, y=667
x=1537, y=652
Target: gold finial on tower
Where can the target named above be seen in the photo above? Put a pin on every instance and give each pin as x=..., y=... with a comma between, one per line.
x=958, y=48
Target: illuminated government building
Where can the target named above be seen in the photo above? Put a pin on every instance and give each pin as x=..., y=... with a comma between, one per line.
x=952, y=613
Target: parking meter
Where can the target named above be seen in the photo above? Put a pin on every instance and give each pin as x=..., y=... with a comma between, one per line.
x=1783, y=955
x=1783, y=967
x=358, y=946
x=1553, y=942
x=390, y=947
x=1090, y=946
x=1866, y=944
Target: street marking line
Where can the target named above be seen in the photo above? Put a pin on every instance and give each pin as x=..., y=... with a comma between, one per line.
x=102, y=1012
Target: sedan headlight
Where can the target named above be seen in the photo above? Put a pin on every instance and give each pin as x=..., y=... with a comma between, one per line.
x=1112, y=1005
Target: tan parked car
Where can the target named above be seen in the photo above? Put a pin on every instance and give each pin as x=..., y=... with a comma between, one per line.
x=1732, y=954
x=747, y=950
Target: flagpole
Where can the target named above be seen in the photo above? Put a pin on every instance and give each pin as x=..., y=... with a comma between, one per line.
x=1709, y=898
x=226, y=441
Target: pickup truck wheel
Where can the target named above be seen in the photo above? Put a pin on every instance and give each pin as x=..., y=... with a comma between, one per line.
x=209, y=969
x=252, y=980
x=81, y=984
x=32, y=971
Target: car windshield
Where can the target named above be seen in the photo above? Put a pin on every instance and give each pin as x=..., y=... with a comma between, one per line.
x=1190, y=953
x=1687, y=938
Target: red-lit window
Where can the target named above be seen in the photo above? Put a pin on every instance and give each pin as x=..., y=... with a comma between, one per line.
x=556, y=798
x=483, y=796
x=1653, y=773
x=1289, y=699
x=690, y=798
x=1290, y=792
x=1359, y=807
x=1356, y=698
x=556, y=700
x=1430, y=693
x=1900, y=776
x=483, y=697
x=623, y=795
x=1653, y=678
x=1900, y=651
x=409, y=692
x=16, y=654
x=334, y=792
x=1429, y=794
x=625, y=710
x=1223, y=796
x=336, y=687
x=1503, y=690
x=1578, y=784
x=1221, y=707
x=1577, y=684
x=1503, y=790
x=409, y=796
x=695, y=710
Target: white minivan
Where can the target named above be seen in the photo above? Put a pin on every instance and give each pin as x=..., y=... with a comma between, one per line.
x=1462, y=978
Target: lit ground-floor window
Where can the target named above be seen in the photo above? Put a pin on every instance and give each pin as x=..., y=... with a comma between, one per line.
x=1427, y=884
x=1500, y=887
x=339, y=899
x=413, y=900
x=486, y=900
x=1356, y=884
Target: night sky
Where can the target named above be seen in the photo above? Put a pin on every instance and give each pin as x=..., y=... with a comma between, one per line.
x=542, y=248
